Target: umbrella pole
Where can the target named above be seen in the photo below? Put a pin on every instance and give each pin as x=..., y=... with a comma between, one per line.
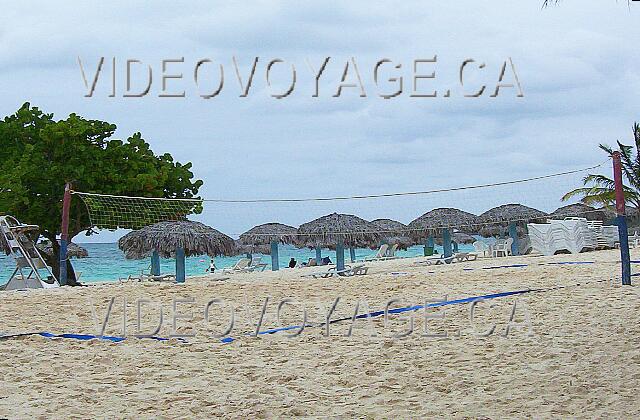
x=275, y=264
x=446, y=243
x=318, y=255
x=513, y=233
x=339, y=255
x=180, y=263
x=155, y=263
x=352, y=254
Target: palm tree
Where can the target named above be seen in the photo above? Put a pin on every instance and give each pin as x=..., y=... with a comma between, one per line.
x=600, y=189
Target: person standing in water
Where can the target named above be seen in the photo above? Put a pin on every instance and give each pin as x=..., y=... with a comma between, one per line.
x=292, y=262
x=212, y=266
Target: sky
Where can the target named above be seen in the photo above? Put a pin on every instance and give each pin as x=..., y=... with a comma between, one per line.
x=577, y=65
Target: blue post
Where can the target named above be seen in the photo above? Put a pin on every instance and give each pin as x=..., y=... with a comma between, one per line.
x=455, y=246
x=318, y=255
x=155, y=264
x=446, y=243
x=352, y=252
x=339, y=255
x=180, y=262
x=275, y=263
x=625, y=259
x=621, y=221
x=63, y=262
x=513, y=233
x=428, y=247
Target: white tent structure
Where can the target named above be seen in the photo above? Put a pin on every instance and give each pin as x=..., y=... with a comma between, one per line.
x=31, y=270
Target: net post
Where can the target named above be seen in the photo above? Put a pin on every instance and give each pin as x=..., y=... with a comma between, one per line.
x=275, y=262
x=64, y=234
x=180, y=266
x=446, y=242
x=339, y=255
x=621, y=220
x=513, y=233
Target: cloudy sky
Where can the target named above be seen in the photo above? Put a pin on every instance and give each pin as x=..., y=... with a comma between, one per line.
x=577, y=64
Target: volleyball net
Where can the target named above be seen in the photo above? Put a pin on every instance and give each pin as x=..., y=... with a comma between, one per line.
x=535, y=196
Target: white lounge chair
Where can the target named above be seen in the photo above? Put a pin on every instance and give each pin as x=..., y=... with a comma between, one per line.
x=500, y=248
x=436, y=260
x=465, y=256
x=391, y=253
x=356, y=270
x=256, y=264
x=382, y=252
x=239, y=267
x=481, y=247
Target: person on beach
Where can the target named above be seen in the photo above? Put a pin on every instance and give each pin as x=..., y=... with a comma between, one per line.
x=212, y=267
x=292, y=262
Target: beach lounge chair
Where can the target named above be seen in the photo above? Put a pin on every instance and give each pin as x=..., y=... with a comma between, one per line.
x=391, y=253
x=481, y=248
x=381, y=254
x=356, y=270
x=465, y=256
x=436, y=260
x=256, y=265
x=240, y=266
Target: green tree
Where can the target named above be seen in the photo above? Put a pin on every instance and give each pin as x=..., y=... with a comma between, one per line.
x=38, y=155
x=600, y=189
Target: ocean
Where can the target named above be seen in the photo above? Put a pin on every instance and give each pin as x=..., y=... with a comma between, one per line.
x=107, y=263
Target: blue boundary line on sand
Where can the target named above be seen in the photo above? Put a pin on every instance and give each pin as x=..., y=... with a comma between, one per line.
x=116, y=339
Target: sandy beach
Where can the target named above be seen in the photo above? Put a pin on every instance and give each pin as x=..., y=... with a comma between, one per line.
x=578, y=356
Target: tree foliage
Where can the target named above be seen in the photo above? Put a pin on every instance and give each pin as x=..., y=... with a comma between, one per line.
x=39, y=154
x=600, y=189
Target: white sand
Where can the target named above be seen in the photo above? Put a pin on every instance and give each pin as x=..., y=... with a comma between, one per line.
x=581, y=361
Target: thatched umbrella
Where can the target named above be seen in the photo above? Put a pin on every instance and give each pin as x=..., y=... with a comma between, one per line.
x=441, y=220
x=338, y=229
x=73, y=250
x=269, y=235
x=579, y=210
x=511, y=219
x=243, y=249
x=496, y=221
x=175, y=239
x=394, y=232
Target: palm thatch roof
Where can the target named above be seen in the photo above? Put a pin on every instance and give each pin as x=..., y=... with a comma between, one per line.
x=579, y=210
x=165, y=237
x=269, y=232
x=395, y=232
x=496, y=220
x=73, y=250
x=437, y=219
x=242, y=249
x=328, y=230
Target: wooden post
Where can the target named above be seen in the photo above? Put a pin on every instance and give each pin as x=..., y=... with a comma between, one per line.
x=446, y=242
x=621, y=221
x=275, y=263
x=513, y=233
x=180, y=266
x=155, y=263
x=318, y=255
x=352, y=254
x=64, y=236
x=339, y=255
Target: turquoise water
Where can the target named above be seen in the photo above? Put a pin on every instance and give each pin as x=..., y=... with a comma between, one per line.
x=107, y=263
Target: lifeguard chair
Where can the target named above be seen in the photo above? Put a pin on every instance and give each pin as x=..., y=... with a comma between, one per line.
x=18, y=241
